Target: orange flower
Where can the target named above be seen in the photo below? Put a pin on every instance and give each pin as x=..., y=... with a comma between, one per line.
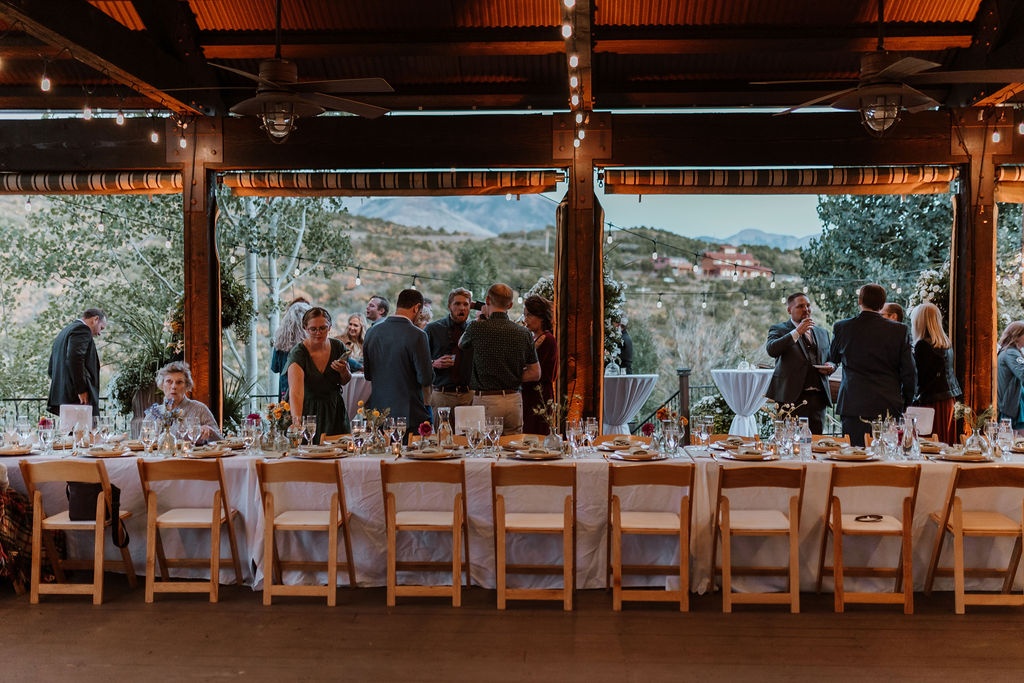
x=360, y=404
x=662, y=413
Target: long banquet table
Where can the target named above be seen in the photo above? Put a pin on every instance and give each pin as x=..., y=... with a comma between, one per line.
x=365, y=503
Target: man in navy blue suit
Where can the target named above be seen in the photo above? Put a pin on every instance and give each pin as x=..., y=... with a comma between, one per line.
x=878, y=369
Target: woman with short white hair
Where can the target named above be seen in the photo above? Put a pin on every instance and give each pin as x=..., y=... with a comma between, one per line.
x=175, y=380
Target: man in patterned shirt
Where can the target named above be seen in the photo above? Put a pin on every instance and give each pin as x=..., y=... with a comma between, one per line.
x=503, y=358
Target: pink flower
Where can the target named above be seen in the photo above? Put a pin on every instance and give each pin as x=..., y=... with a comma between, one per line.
x=254, y=416
x=647, y=429
x=45, y=423
x=425, y=429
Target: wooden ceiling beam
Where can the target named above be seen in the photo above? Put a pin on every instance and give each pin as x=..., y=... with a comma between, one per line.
x=29, y=98
x=98, y=41
x=923, y=37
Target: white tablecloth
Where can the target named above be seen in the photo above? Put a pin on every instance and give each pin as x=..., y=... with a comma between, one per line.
x=623, y=397
x=358, y=389
x=365, y=503
x=744, y=391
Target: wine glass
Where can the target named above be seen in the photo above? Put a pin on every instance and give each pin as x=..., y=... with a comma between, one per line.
x=670, y=433
x=358, y=434
x=309, y=428
x=1004, y=438
x=24, y=430
x=248, y=436
x=94, y=431
x=193, y=430
x=79, y=435
x=46, y=438
x=703, y=430
x=590, y=431
x=574, y=432
x=474, y=434
x=497, y=429
x=991, y=430
x=104, y=427
x=147, y=435
x=400, y=427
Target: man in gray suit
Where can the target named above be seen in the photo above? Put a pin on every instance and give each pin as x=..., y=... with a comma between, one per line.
x=879, y=376
x=74, y=367
x=800, y=349
x=396, y=359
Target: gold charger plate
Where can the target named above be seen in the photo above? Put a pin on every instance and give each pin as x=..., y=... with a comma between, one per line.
x=750, y=457
x=203, y=454
x=106, y=453
x=15, y=450
x=430, y=455
x=639, y=456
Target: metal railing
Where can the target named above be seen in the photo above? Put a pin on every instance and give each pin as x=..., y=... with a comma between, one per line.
x=34, y=407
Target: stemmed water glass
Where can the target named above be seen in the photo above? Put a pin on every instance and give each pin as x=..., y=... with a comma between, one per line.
x=193, y=430
x=574, y=434
x=46, y=436
x=474, y=435
x=105, y=427
x=703, y=424
x=147, y=435
x=496, y=428
x=358, y=434
x=401, y=426
x=1004, y=437
x=308, y=428
x=24, y=430
x=79, y=435
x=670, y=434
x=590, y=431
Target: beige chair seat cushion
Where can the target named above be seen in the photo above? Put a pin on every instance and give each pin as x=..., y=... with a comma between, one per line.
x=61, y=520
x=552, y=521
x=303, y=518
x=440, y=518
x=187, y=517
x=888, y=524
x=650, y=520
x=758, y=520
x=983, y=521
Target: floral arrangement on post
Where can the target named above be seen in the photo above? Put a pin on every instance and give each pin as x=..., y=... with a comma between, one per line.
x=554, y=412
x=663, y=414
x=279, y=415
x=164, y=414
x=976, y=421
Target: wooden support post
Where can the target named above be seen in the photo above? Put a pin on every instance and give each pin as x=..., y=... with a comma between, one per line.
x=684, y=399
x=202, y=265
x=579, y=278
x=973, y=257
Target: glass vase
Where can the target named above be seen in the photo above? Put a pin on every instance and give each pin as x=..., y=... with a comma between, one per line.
x=976, y=441
x=166, y=444
x=553, y=442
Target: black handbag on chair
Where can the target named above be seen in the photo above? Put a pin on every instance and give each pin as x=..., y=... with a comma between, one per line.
x=82, y=507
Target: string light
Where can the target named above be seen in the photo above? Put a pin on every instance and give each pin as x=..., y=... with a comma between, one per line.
x=569, y=4
x=704, y=301
x=746, y=299
x=100, y=227
x=576, y=142
x=87, y=113
x=359, y=280
x=582, y=134
x=609, y=238
x=44, y=82
x=892, y=285
x=508, y=196
x=574, y=61
x=772, y=285
x=659, y=304
x=579, y=117
x=574, y=82
x=28, y=205
x=1020, y=127
x=154, y=137
x=167, y=244
x=567, y=30
x=782, y=299
x=696, y=268
x=182, y=143
x=413, y=285
x=805, y=289
x=575, y=99
x=232, y=259
x=899, y=290
x=996, y=136
x=839, y=292
x=119, y=119
x=654, y=254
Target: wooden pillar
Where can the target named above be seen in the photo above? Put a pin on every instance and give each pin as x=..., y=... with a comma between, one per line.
x=579, y=280
x=973, y=322
x=202, y=266
x=684, y=399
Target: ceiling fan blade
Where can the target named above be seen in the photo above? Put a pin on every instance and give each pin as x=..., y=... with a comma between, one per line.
x=246, y=74
x=902, y=68
x=344, y=85
x=812, y=80
x=817, y=100
x=970, y=76
x=915, y=100
x=368, y=111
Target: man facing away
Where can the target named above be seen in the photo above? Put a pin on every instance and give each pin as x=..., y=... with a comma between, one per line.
x=74, y=368
x=800, y=349
x=503, y=358
x=377, y=309
x=878, y=369
x=452, y=364
x=396, y=359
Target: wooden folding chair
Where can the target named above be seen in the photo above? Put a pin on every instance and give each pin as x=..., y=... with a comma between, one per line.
x=986, y=523
x=330, y=520
x=564, y=523
x=839, y=524
x=43, y=526
x=649, y=523
x=729, y=523
x=218, y=514
x=453, y=522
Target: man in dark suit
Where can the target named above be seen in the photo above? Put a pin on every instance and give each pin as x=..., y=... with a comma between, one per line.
x=800, y=350
x=74, y=364
x=878, y=369
x=396, y=359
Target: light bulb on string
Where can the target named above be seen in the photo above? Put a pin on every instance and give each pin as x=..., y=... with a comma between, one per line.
x=519, y=299
x=996, y=136
x=574, y=81
x=574, y=61
x=576, y=142
x=44, y=82
x=892, y=285
x=696, y=268
x=119, y=119
x=167, y=244
x=805, y=289
x=609, y=238
x=575, y=100
x=704, y=302
x=772, y=285
x=659, y=304
x=654, y=254
x=231, y=259
x=508, y=196
x=581, y=134
x=782, y=299
x=579, y=117
x=735, y=276
x=154, y=137
x=87, y=113
x=839, y=292
x=567, y=30
x=746, y=300
x=359, y=280
x=569, y=4
x=899, y=290
x=1020, y=128
x=100, y=227
x=182, y=143
x=413, y=285
x=28, y=205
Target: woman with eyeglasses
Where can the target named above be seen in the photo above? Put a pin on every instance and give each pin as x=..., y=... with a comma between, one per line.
x=317, y=370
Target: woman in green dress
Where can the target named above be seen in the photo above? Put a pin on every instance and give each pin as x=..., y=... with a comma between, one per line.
x=317, y=370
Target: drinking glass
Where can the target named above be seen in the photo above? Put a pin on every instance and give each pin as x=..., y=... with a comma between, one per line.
x=574, y=433
x=248, y=436
x=401, y=427
x=94, y=431
x=703, y=424
x=105, y=428
x=590, y=431
x=1004, y=438
x=991, y=430
x=670, y=432
x=79, y=436
x=46, y=439
x=876, y=436
x=193, y=430
x=358, y=434
x=147, y=435
x=497, y=429
x=474, y=434
x=24, y=430
x=308, y=428
x=890, y=438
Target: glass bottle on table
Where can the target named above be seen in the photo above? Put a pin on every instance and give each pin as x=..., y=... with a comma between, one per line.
x=805, y=438
x=444, y=428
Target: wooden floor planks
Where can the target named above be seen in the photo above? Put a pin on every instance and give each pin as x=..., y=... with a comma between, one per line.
x=186, y=638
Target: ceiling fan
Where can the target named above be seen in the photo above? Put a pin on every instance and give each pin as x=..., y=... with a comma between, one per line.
x=887, y=85
x=281, y=99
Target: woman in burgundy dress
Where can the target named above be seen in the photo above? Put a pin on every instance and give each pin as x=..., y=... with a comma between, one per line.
x=538, y=318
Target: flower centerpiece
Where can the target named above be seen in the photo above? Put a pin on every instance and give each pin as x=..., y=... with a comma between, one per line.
x=554, y=413
x=976, y=421
x=279, y=417
x=425, y=430
x=375, y=420
x=166, y=416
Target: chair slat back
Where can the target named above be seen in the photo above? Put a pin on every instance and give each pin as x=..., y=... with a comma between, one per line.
x=90, y=472
x=533, y=475
x=191, y=470
x=651, y=474
x=432, y=472
x=988, y=475
x=322, y=472
x=896, y=476
x=762, y=477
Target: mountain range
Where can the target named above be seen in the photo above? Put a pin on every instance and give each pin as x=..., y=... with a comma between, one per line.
x=487, y=216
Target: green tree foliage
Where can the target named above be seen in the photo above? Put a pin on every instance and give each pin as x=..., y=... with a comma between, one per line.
x=886, y=239
x=476, y=266
x=645, y=348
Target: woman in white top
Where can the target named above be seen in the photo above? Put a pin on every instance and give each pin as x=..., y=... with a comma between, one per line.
x=175, y=380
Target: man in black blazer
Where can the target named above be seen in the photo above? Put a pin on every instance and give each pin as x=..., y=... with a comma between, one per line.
x=878, y=368
x=74, y=364
x=800, y=350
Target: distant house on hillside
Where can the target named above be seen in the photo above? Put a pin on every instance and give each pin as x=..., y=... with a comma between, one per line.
x=729, y=262
x=677, y=264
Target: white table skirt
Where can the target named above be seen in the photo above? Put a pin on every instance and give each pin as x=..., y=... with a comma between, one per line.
x=744, y=391
x=358, y=389
x=365, y=503
x=623, y=397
